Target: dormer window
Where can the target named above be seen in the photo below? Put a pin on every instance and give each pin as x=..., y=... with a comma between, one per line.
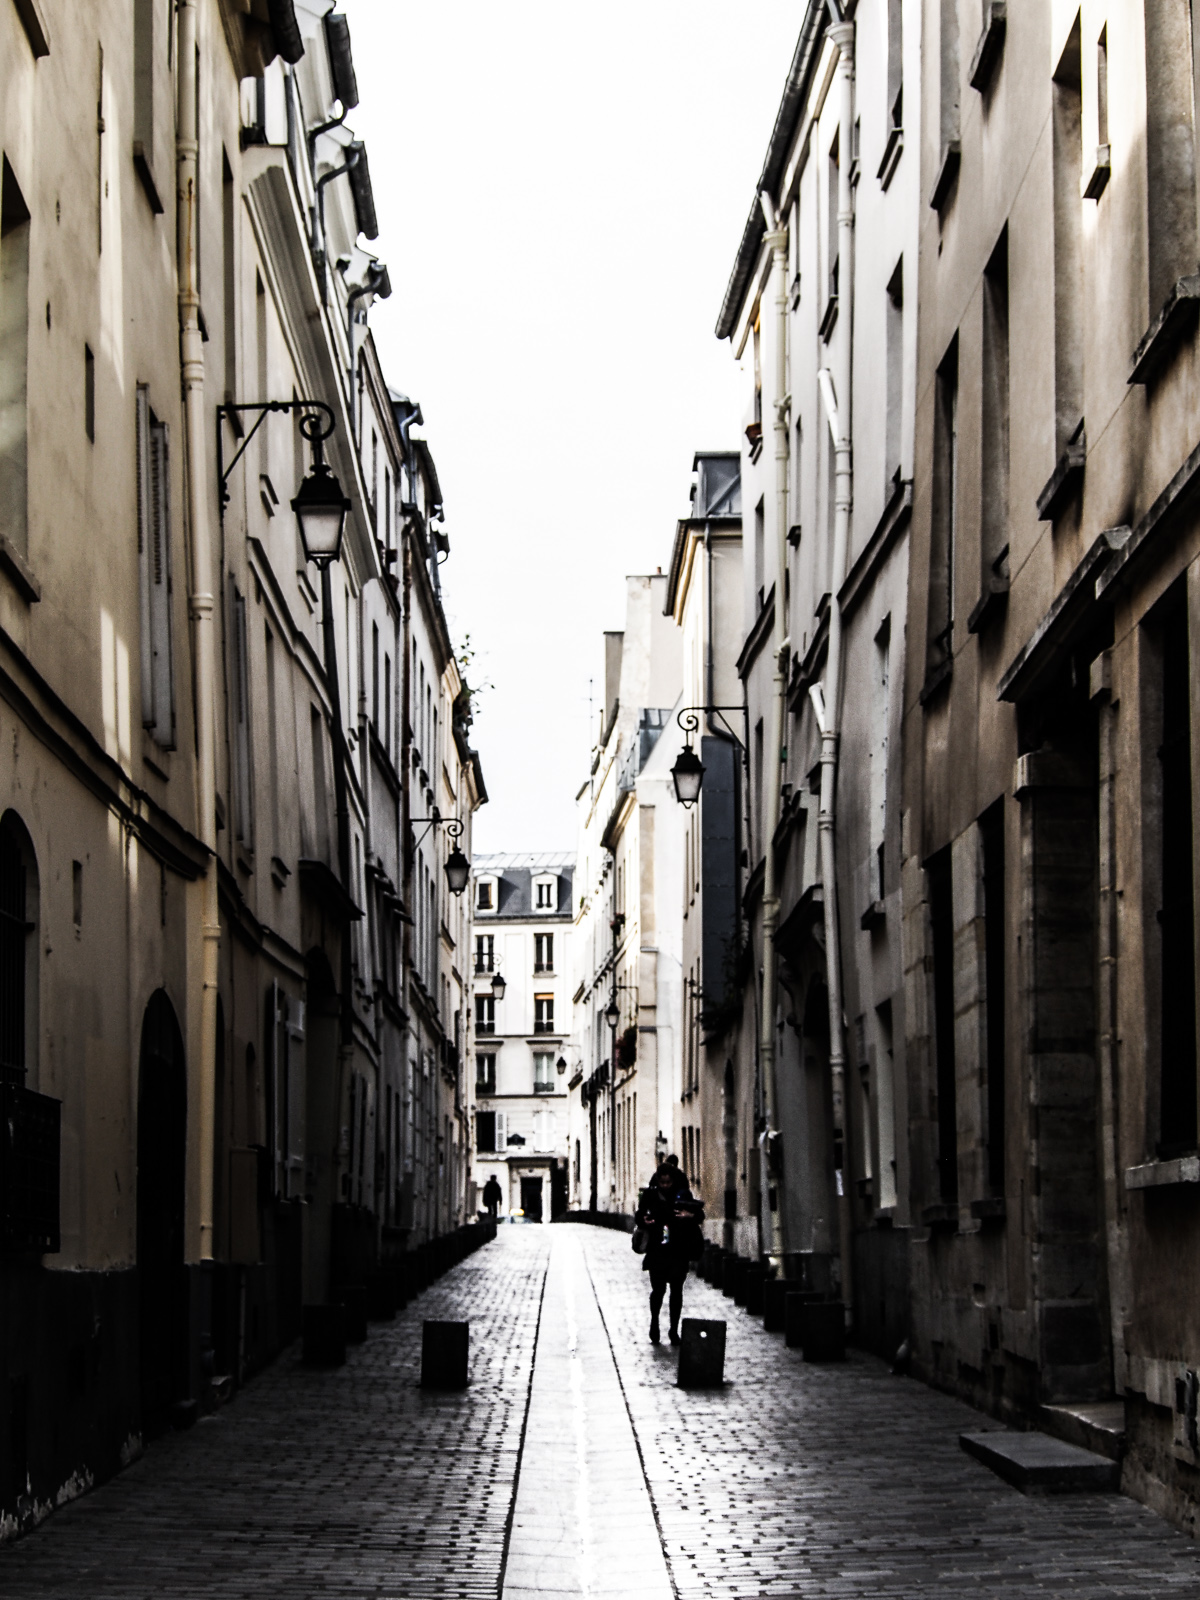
x=545, y=892
x=486, y=894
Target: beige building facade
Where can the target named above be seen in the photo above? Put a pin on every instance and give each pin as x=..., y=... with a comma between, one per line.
x=233, y=1010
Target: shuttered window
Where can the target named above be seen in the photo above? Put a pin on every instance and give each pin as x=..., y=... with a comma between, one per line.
x=154, y=572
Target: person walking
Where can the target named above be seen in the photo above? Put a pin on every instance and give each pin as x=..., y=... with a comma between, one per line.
x=492, y=1196
x=672, y=1223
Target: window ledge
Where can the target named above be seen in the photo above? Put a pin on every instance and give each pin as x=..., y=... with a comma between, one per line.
x=1164, y=335
x=991, y=43
x=1164, y=1174
x=34, y=23
x=941, y=1218
x=146, y=173
x=873, y=917
x=1101, y=173
x=990, y=605
x=19, y=570
x=936, y=678
x=990, y=1211
x=947, y=172
x=892, y=151
x=1065, y=481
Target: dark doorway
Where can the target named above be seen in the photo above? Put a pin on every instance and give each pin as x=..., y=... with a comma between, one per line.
x=531, y=1199
x=161, y=1161
x=558, y=1189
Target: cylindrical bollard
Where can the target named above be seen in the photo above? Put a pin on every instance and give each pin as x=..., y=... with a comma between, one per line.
x=445, y=1349
x=775, y=1291
x=352, y=1297
x=324, y=1336
x=701, y=1354
x=754, y=1281
x=381, y=1295
x=796, y=1304
x=731, y=1278
x=825, y=1331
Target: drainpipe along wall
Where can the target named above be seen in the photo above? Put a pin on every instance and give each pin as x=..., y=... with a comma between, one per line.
x=200, y=601
x=842, y=34
x=776, y=756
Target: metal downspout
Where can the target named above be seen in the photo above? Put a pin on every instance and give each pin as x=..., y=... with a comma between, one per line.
x=842, y=34
x=200, y=600
x=776, y=756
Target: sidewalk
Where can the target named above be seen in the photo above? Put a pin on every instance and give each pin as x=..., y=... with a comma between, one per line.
x=793, y=1480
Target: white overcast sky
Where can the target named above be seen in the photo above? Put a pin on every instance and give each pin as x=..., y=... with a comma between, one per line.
x=561, y=190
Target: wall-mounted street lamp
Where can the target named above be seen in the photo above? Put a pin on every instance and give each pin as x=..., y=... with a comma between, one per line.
x=560, y=1066
x=320, y=508
x=612, y=1013
x=457, y=867
x=688, y=772
x=498, y=986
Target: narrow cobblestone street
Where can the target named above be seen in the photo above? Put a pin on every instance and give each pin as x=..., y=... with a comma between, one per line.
x=793, y=1480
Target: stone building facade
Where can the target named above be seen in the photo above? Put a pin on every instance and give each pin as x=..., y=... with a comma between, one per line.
x=231, y=1010
x=520, y=976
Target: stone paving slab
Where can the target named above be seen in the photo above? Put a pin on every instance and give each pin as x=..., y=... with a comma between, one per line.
x=794, y=1480
x=804, y=1480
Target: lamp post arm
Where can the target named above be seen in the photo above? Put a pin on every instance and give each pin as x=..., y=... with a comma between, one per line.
x=315, y=427
x=689, y=720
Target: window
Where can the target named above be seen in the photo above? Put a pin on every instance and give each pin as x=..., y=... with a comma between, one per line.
x=543, y=1071
x=545, y=893
x=832, y=241
x=760, y=553
x=18, y=951
x=485, y=1014
x=485, y=952
x=89, y=394
x=154, y=572
x=1067, y=128
x=895, y=62
x=485, y=894
x=485, y=1072
x=14, y=359
x=994, y=504
x=241, y=741
x=543, y=952
x=991, y=828
x=941, y=919
x=895, y=374
x=545, y=1129
x=1170, y=150
x=543, y=1013
x=485, y=1132
x=1176, y=917
x=939, y=640
x=144, y=125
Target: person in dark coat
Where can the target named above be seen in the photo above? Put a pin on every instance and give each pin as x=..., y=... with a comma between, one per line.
x=672, y=1220
x=492, y=1195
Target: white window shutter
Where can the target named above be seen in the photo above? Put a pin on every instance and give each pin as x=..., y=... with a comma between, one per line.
x=501, y=1132
x=144, y=521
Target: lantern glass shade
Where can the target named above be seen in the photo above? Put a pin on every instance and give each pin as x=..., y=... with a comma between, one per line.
x=612, y=1013
x=498, y=986
x=458, y=871
x=321, y=508
x=687, y=775
x=560, y=1066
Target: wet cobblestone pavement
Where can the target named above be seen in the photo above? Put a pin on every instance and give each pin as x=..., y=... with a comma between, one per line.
x=794, y=1480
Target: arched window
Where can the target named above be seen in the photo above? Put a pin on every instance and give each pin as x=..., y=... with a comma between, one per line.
x=18, y=951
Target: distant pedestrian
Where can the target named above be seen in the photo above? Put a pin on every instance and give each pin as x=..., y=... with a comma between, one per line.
x=672, y=1223
x=492, y=1196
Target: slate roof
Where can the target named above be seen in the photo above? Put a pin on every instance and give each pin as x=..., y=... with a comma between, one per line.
x=516, y=873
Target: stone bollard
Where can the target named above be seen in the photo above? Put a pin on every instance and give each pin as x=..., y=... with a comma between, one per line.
x=755, y=1281
x=381, y=1295
x=701, y=1354
x=825, y=1331
x=775, y=1292
x=324, y=1336
x=731, y=1278
x=796, y=1304
x=352, y=1297
x=445, y=1347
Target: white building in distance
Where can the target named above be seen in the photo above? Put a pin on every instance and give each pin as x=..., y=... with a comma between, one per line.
x=520, y=962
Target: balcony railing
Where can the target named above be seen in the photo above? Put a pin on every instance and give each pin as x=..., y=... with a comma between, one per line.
x=482, y=1028
x=542, y=1025
x=543, y=1088
x=543, y=966
x=484, y=964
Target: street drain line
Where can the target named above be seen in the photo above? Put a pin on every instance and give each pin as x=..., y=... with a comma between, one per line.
x=512, y=1504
